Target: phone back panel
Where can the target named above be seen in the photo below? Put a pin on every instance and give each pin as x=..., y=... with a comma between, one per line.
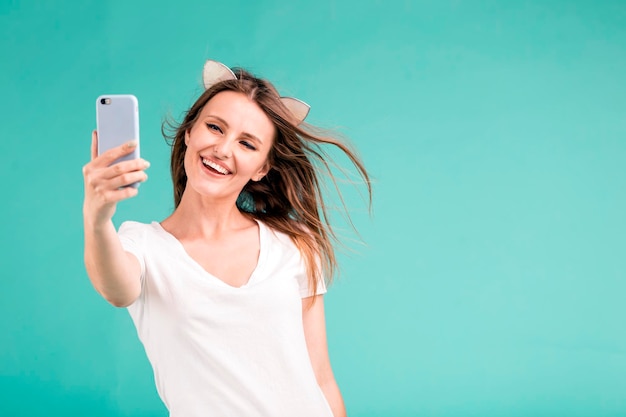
x=117, y=118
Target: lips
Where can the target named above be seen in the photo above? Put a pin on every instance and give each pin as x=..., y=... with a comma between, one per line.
x=215, y=167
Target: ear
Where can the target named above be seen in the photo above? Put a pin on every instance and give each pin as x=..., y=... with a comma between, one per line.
x=187, y=137
x=262, y=172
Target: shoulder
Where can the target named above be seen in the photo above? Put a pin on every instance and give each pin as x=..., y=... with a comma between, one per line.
x=130, y=226
x=278, y=238
x=285, y=255
x=136, y=230
x=141, y=239
x=279, y=246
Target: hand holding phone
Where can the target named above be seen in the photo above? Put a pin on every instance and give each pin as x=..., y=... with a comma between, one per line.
x=115, y=169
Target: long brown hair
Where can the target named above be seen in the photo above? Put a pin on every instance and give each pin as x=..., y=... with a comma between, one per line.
x=289, y=198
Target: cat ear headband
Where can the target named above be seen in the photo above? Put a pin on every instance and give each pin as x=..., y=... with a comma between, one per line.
x=215, y=72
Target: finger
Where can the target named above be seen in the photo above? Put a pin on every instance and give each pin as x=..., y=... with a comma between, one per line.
x=124, y=167
x=103, y=180
x=105, y=190
x=128, y=179
x=112, y=154
x=127, y=192
x=94, y=145
x=115, y=196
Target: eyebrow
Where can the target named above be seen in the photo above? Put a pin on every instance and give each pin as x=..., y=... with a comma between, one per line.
x=244, y=134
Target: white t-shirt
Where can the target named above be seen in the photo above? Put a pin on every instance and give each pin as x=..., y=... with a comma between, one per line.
x=217, y=350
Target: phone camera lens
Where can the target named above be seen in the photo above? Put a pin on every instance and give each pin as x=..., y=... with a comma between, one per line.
x=103, y=100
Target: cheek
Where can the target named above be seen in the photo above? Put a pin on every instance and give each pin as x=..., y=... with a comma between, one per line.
x=187, y=160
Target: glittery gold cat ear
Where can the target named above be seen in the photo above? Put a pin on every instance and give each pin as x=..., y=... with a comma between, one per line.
x=298, y=108
x=215, y=72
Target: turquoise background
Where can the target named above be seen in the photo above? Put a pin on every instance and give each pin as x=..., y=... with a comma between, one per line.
x=493, y=275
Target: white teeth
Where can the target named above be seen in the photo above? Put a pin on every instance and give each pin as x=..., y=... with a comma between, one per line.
x=215, y=166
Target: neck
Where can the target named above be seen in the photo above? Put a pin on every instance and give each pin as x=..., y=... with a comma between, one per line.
x=197, y=217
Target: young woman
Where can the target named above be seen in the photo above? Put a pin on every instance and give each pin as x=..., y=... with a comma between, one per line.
x=226, y=293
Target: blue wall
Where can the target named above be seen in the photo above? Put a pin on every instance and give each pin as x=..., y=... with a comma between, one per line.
x=493, y=274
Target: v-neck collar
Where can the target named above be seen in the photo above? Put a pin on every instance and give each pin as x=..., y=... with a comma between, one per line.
x=262, y=235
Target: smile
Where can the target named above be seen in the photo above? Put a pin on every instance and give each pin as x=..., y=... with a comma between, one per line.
x=215, y=167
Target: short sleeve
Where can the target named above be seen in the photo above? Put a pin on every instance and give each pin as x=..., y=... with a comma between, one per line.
x=305, y=290
x=132, y=237
x=288, y=259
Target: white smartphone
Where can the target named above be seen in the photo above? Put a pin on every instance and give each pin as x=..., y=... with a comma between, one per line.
x=117, y=121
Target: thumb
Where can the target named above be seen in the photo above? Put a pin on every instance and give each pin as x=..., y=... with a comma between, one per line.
x=94, y=144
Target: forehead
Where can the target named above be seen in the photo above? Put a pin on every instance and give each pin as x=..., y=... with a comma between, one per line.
x=240, y=114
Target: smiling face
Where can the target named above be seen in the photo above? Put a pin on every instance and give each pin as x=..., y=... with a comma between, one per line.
x=227, y=146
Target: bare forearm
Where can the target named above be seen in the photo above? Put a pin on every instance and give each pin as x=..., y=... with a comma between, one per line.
x=333, y=396
x=113, y=272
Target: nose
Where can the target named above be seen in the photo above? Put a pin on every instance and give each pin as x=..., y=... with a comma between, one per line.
x=223, y=149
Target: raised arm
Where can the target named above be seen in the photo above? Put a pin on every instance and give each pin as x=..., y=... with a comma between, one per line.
x=114, y=273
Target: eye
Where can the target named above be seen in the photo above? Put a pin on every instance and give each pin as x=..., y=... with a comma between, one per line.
x=214, y=127
x=248, y=145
